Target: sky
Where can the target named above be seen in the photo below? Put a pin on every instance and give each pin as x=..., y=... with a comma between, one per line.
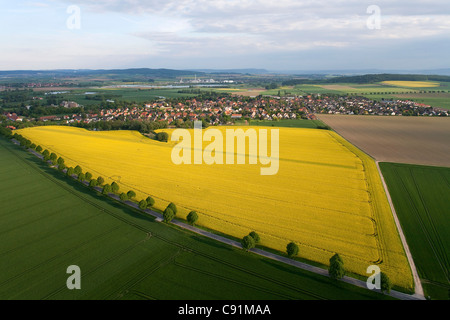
x=277, y=35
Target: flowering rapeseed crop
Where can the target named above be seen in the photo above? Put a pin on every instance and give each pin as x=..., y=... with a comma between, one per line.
x=327, y=196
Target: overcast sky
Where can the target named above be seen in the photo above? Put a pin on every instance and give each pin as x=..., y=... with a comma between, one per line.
x=188, y=34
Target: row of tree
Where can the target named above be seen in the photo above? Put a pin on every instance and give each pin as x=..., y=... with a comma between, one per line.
x=336, y=269
x=77, y=173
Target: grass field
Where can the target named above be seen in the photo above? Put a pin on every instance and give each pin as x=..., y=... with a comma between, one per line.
x=123, y=94
x=288, y=123
x=327, y=195
x=437, y=100
x=49, y=222
x=421, y=197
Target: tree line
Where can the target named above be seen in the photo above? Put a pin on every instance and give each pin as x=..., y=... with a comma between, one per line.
x=336, y=269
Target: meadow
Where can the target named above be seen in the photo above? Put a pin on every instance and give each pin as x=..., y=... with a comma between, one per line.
x=50, y=222
x=123, y=94
x=421, y=196
x=327, y=196
x=288, y=123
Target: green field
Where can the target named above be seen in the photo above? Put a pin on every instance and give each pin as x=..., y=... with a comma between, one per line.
x=438, y=100
x=122, y=94
x=288, y=123
x=49, y=222
x=421, y=196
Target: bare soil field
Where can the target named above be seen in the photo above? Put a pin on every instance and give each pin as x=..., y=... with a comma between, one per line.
x=414, y=140
x=337, y=87
x=249, y=93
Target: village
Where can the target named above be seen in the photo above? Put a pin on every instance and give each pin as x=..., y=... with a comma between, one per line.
x=227, y=110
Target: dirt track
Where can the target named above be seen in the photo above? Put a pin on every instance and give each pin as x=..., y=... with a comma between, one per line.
x=414, y=140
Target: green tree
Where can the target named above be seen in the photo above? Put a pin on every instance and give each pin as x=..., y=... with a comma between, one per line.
x=192, y=217
x=106, y=189
x=131, y=194
x=150, y=202
x=60, y=161
x=291, y=249
x=93, y=183
x=100, y=181
x=53, y=157
x=336, y=269
x=39, y=149
x=385, y=283
x=88, y=176
x=115, y=187
x=61, y=166
x=248, y=243
x=123, y=196
x=173, y=207
x=78, y=170
x=143, y=205
x=70, y=172
x=46, y=153
x=81, y=177
x=168, y=215
x=255, y=237
x=162, y=136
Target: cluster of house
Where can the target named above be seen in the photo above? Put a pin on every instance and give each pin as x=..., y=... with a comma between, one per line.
x=365, y=106
x=47, y=85
x=225, y=110
x=214, y=112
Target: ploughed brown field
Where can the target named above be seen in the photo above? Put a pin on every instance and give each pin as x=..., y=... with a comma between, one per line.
x=415, y=140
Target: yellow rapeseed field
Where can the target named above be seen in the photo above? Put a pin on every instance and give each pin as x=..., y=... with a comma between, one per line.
x=327, y=195
x=412, y=84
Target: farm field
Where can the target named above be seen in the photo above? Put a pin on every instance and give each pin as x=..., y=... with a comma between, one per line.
x=412, y=84
x=363, y=88
x=413, y=140
x=50, y=222
x=128, y=94
x=287, y=123
x=437, y=100
x=327, y=195
x=421, y=196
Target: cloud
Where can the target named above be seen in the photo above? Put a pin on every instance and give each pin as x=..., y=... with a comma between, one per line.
x=255, y=30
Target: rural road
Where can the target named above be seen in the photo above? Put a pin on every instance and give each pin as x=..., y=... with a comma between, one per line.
x=399, y=295
x=417, y=283
x=301, y=265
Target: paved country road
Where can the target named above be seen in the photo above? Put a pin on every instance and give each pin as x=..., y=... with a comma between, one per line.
x=301, y=265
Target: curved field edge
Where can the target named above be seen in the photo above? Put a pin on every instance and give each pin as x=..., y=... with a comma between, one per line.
x=394, y=261
x=125, y=253
x=394, y=268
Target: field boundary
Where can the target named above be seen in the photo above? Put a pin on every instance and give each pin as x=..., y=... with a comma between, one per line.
x=263, y=253
x=417, y=284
